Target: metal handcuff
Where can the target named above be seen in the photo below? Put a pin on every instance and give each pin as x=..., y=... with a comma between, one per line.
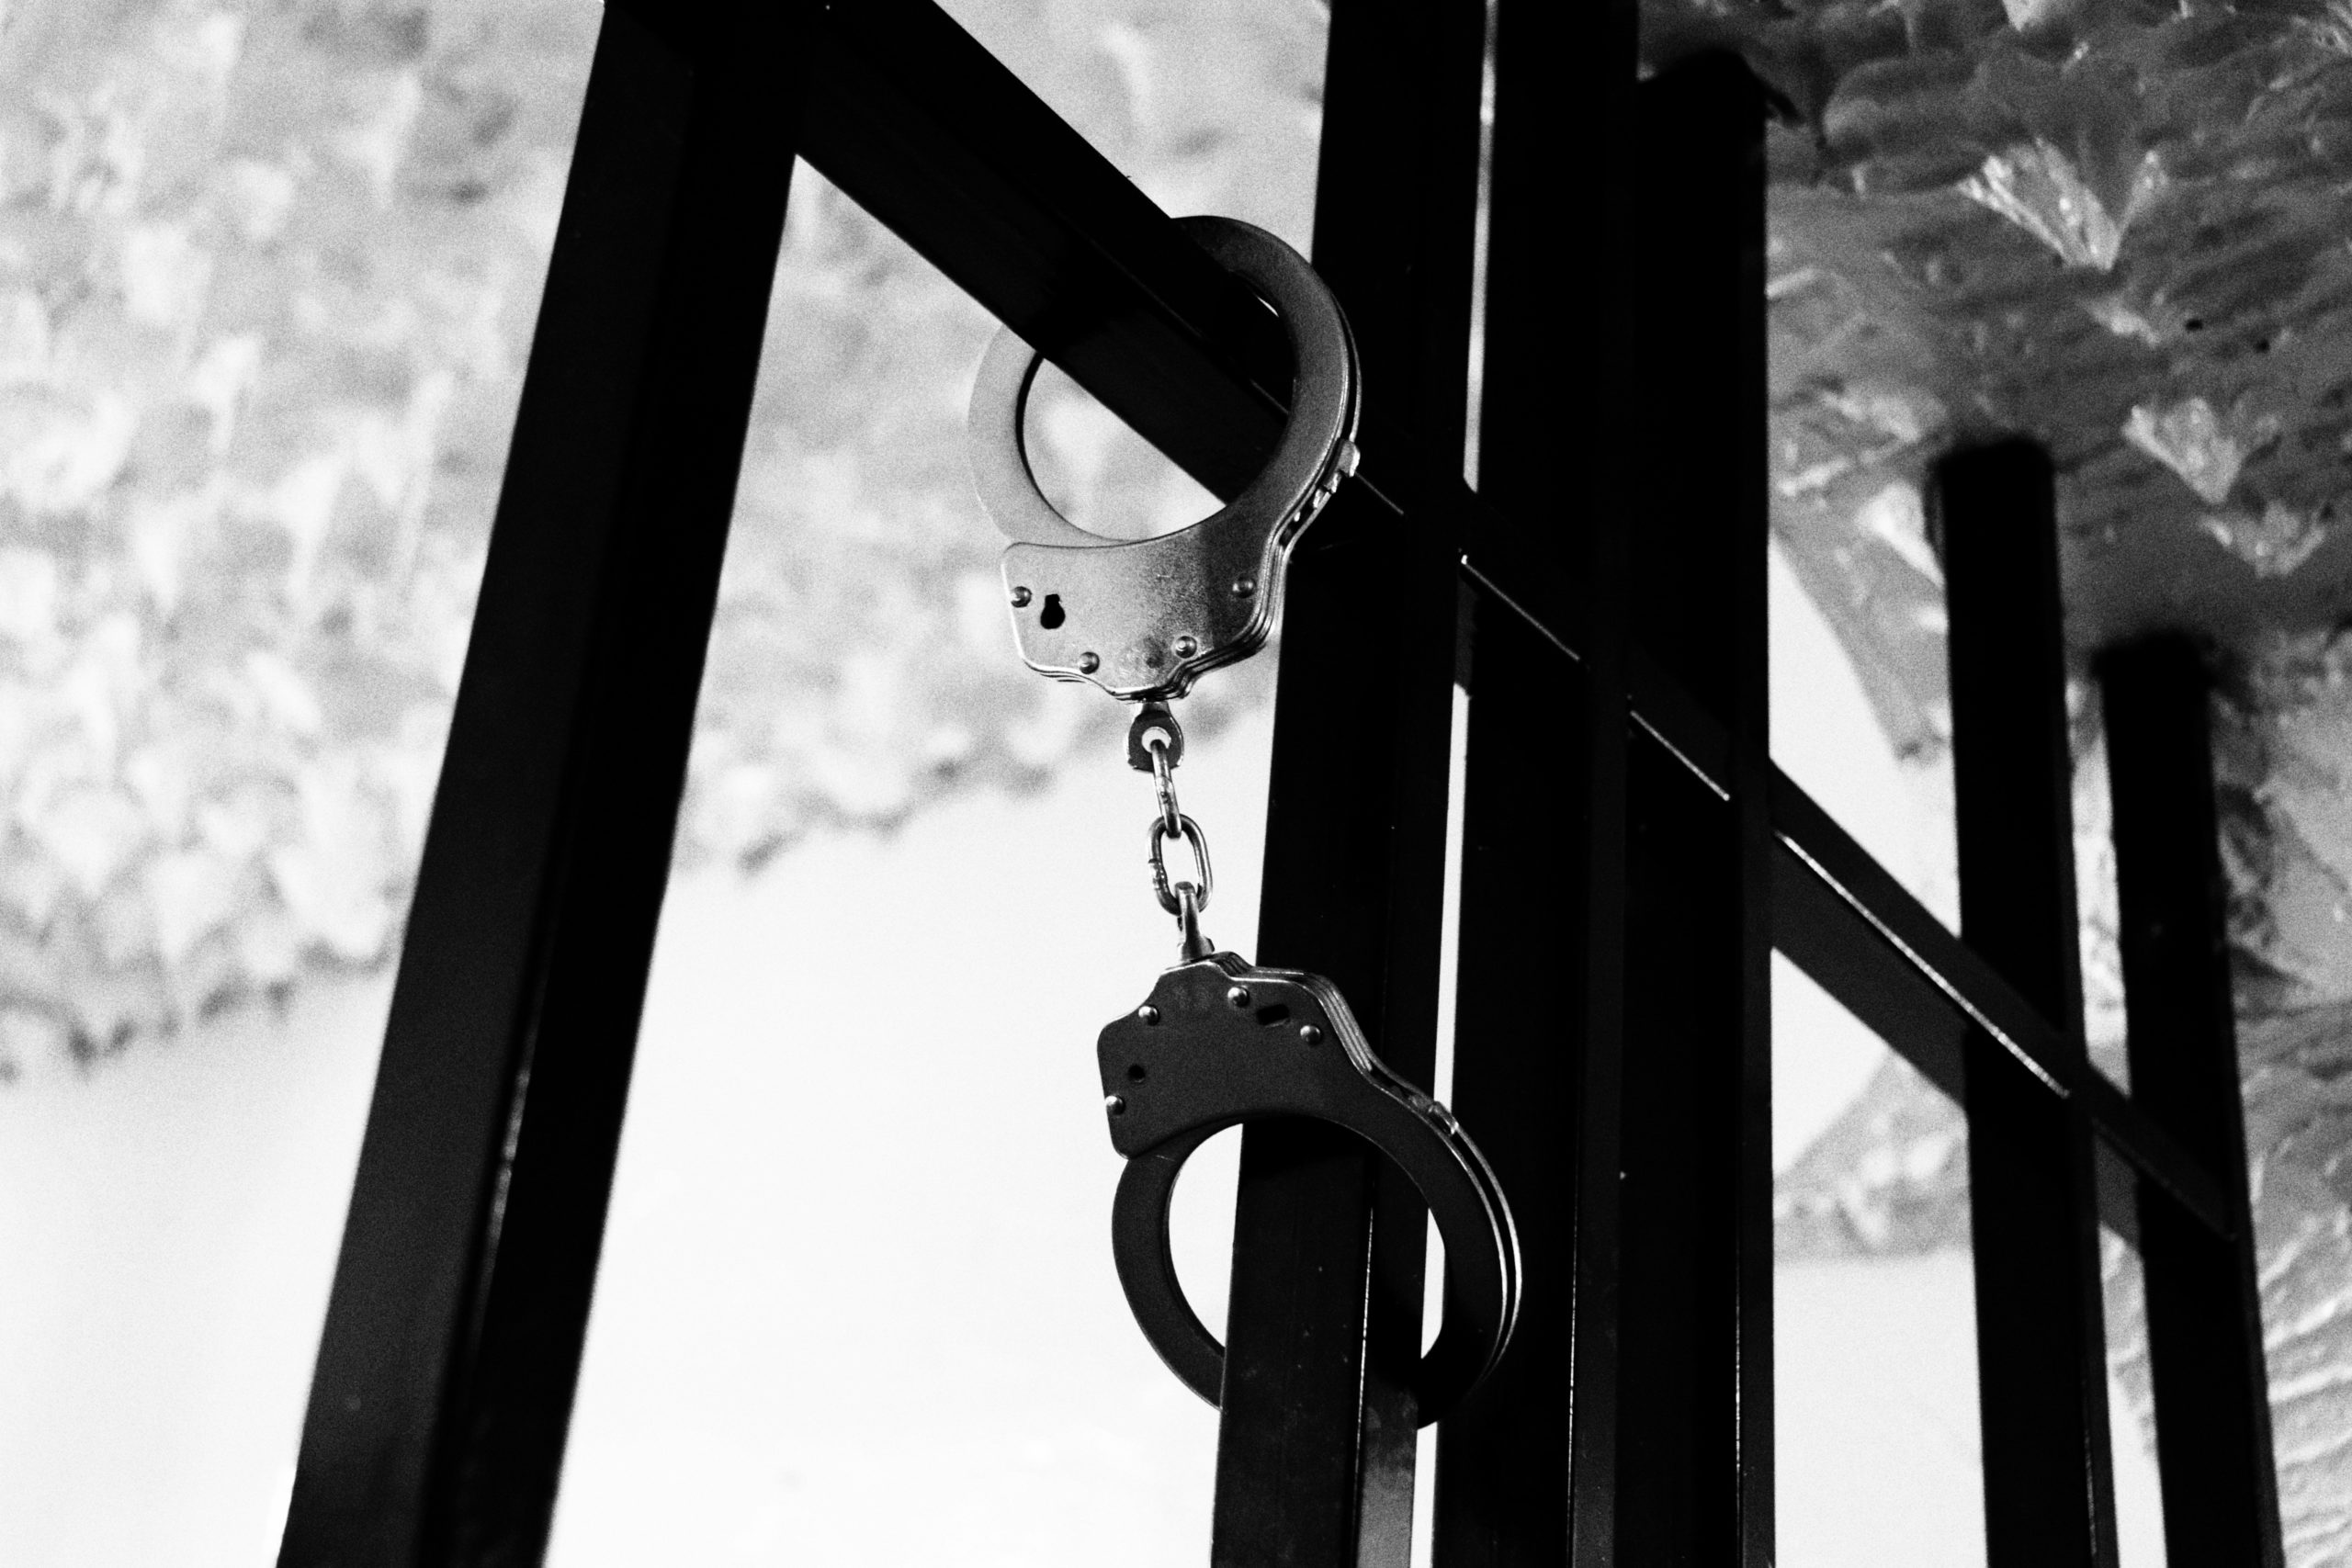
x=1221, y=1041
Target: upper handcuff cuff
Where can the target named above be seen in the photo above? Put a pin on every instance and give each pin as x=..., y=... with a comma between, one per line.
x=1220, y=1041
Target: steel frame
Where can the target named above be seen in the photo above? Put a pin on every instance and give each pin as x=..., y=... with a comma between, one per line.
x=1631, y=849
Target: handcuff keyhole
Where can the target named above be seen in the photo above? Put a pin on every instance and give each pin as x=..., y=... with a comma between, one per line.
x=1270, y=1016
x=1136, y=1073
x=1051, y=616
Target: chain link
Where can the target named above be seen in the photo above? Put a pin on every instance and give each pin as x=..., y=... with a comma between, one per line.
x=1163, y=780
x=1191, y=832
x=1156, y=743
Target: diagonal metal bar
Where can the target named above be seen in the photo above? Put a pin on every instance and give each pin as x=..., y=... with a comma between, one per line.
x=445, y=1377
x=904, y=60
x=928, y=131
x=1905, y=962
x=453, y=1340
x=1874, y=947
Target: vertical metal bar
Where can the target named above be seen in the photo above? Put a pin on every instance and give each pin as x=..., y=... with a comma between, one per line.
x=453, y=1336
x=1694, y=1375
x=1747, y=505
x=2213, y=1449
x=1503, y=1460
x=1527, y=1466
x=1314, y=1453
x=2042, y=1366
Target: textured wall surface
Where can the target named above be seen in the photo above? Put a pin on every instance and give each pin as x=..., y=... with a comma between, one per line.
x=267, y=276
x=2119, y=228
x=267, y=280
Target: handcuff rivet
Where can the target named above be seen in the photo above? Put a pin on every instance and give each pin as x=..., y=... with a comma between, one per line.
x=1114, y=1105
x=1020, y=598
x=1186, y=646
x=1148, y=1013
x=1244, y=586
x=1087, y=664
x=1239, y=996
x=1309, y=1036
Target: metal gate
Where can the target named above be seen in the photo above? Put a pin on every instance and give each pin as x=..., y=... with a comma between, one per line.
x=1631, y=856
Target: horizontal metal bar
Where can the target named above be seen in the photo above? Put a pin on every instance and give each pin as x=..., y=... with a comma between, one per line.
x=1888, y=960
x=923, y=127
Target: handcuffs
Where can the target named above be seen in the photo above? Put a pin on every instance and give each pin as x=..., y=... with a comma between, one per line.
x=1144, y=617
x=1220, y=1041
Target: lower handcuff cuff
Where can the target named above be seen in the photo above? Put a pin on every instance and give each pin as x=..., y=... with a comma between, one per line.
x=1222, y=1041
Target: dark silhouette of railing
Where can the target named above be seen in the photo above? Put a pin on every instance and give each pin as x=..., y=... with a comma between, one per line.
x=1631, y=853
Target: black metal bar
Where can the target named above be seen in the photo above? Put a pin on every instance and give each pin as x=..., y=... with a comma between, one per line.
x=1677, y=1492
x=453, y=1336
x=1835, y=943
x=1694, y=1477
x=909, y=67
x=925, y=129
x=1919, y=971
x=2213, y=1449
x=1316, y=1443
x=1906, y=964
x=1527, y=975
x=2042, y=1366
x=913, y=70
x=453, y=1340
x=1524, y=1470
x=1754, y=1399
x=1915, y=949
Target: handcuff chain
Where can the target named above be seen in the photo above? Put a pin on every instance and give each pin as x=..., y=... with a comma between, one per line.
x=1163, y=780
x=1204, y=885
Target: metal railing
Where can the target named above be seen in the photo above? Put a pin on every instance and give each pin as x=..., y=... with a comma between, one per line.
x=1631, y=853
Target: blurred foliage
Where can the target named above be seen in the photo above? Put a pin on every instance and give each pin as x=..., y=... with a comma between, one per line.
x=268, y=275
